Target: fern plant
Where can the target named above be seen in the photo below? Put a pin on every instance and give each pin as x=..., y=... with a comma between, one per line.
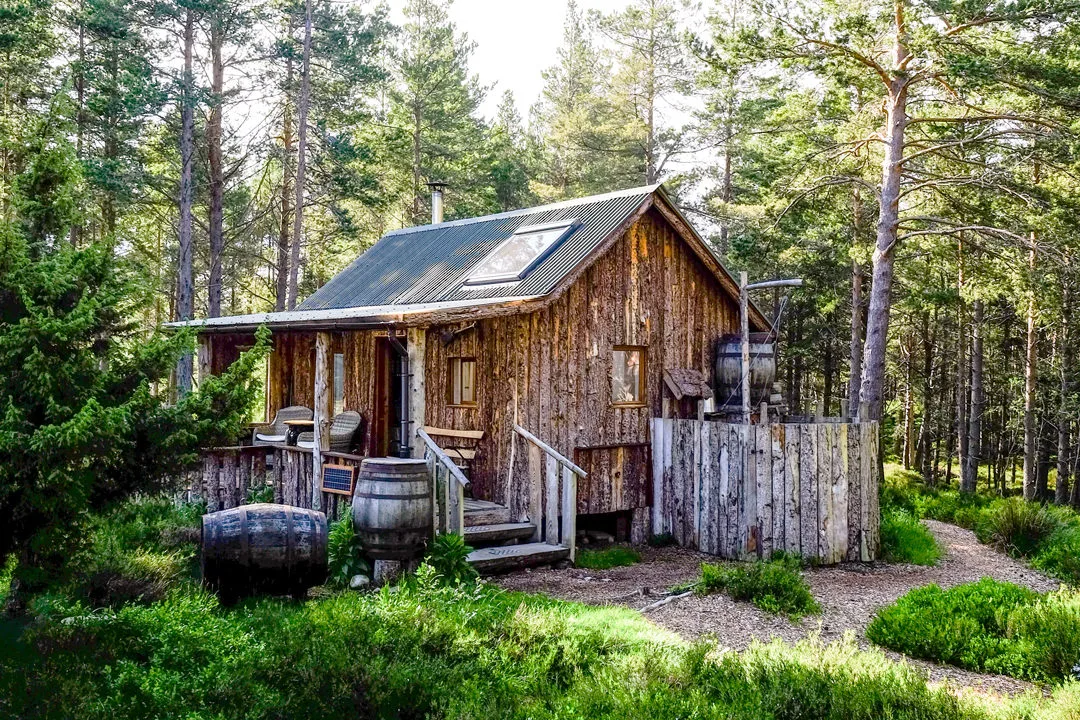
x=449, y=555
x=344, y=552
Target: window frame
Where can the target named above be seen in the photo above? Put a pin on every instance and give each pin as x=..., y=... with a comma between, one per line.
x=568, y=226
x=334, y=383
x=456, y=377
x=643, y=398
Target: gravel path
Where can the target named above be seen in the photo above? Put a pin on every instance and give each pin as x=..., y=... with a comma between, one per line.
x=850, y=594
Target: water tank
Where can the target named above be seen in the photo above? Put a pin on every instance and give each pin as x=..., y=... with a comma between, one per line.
x=728, y=370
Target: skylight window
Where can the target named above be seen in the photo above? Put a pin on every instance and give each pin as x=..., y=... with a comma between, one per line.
x=512, y=259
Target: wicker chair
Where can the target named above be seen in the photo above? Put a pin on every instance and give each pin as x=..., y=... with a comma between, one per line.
x=275, y=431
x=343, y=429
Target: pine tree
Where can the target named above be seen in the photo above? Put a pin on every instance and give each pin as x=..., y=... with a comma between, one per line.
x=81, y=427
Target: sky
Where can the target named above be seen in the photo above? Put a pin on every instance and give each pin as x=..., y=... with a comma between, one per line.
x=515, y=40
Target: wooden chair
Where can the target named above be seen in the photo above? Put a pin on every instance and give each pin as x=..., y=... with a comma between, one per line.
x=459, y=445
x=274, y=432
x=343, y=429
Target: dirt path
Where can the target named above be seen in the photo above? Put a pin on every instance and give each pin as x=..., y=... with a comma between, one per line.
x=850, y=594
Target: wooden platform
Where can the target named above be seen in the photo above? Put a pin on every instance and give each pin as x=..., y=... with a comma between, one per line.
x=502, y=532
x=484, y=512
x=512, y=557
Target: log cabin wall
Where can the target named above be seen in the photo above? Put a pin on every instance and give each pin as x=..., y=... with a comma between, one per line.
x=550, y=371
x=291, y=374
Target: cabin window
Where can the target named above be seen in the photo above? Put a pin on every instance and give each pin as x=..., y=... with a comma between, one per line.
x=462, y=381
x=339, y=383
x=628, y=376
x=512, y=259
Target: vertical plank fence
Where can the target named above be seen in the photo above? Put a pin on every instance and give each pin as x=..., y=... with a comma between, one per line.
x=229, y=475
x=745, y=491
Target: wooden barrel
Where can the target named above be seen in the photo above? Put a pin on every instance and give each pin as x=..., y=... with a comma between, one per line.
x=263, y=548
x=391, y=508
x=728, y=375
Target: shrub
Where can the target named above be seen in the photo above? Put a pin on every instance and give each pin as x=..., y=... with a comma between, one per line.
x=905, y=539
x=1050, y=632
x=988, y=625
x=776, y=585
x=449, y=556
x=608, y=558
x=344, y=553
x=1017, y=526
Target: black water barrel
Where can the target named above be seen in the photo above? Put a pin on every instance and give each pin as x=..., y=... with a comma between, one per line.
x=263, y=548
x=728, y=374
x=391, y=507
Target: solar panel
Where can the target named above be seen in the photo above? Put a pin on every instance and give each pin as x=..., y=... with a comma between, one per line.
x=338, y=479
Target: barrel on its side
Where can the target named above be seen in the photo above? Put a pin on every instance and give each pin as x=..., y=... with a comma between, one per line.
x=728, y=376
x=263, y=548
x=391, y=508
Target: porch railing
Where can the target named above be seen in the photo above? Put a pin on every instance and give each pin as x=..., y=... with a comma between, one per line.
x=555, y=465
x=229, y=475
x=447, y=487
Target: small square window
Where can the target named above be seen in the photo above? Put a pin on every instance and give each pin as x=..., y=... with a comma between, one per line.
x=628, y=376
x=462, y=381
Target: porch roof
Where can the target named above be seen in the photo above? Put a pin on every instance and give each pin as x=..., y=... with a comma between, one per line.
x=417, y=274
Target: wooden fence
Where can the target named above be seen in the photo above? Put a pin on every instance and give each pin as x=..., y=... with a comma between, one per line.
x=743, y=491
x=229, y=474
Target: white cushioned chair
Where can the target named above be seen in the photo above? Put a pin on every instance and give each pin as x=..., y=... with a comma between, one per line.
x=274, y=432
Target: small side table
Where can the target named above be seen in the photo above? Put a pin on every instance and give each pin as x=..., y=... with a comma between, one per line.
x=295, y=428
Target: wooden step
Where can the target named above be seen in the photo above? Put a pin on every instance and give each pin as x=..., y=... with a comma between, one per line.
x=500, y=532
x=484, y=512
x=511, y=557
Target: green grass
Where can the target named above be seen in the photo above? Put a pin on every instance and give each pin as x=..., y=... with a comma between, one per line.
x=905, y=539
x=988, y=626
x=425, y=649
x=776, y=585
x=607, y=558
x=1047, y=537
x=434, y=651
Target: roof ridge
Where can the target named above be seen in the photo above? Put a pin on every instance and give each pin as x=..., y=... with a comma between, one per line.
x=574, y=202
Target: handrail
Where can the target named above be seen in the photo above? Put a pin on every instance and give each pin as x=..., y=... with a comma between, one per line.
x=443, y=458
x=549, y=450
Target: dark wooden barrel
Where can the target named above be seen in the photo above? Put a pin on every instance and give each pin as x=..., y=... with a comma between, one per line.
x=391, y=507
x=728, y=375
x=263, y=548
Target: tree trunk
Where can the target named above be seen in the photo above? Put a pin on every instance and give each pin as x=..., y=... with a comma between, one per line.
x=857, y=277
x=1061, y=488
x=301, y=159
x=1031, y=378
x=217, y=171
x=185, y=289
x=877, y=323
x=928, y=394
x=908, y=407
x=282, y=287
x=974, y=429
x=962, y=368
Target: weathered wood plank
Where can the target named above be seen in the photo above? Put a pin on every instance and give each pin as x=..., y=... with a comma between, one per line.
x=792, y=490
x=779, y=508
x=808, y=498
x=551, y=499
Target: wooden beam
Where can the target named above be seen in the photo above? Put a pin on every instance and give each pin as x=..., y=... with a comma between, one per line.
x=322, y=415
x=416, y=343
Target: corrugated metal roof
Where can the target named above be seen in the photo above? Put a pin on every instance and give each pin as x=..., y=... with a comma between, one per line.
x=428, y=264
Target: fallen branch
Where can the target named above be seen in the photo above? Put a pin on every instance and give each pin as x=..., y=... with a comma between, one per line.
x=664, y=601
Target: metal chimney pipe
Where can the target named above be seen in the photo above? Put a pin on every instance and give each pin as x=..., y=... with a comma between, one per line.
x=437, y=188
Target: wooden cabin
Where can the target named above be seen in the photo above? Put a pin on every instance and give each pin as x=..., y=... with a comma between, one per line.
x=560, y=319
